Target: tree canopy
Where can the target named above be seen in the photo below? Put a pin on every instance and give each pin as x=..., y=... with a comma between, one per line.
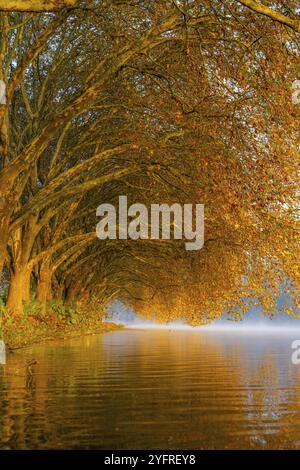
x=166, y=101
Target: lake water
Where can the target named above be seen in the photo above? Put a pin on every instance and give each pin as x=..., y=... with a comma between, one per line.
x=153, y=389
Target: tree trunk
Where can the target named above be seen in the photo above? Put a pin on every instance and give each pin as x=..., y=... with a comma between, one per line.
x=19, y=291
x=2, y=255
x=19, y=288
x=43, y=292
x=71, y=294
x=4, y=234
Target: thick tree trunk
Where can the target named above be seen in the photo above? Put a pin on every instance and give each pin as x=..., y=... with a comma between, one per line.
x=72, y=292
x=43, y=292
x=2, y=255
x=19, y=291
x=4, y=234
x=19, y=288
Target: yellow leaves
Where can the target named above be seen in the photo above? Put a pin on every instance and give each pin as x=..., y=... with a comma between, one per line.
x=221, y=135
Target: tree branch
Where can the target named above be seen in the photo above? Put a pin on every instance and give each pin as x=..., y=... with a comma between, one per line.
x=274, y=15
x=36, y=5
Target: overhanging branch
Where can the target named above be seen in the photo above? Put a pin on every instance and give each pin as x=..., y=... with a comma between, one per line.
x=258, y=7
x=36, y=5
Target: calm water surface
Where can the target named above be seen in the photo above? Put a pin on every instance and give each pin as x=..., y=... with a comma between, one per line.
x=153, y=389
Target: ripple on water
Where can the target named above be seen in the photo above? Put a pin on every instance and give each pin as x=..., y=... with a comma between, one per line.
x=153, y=389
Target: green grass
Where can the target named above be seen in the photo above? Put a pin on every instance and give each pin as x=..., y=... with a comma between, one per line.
x=58, y=322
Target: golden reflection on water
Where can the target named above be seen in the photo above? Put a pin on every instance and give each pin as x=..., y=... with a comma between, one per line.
x=153, y=389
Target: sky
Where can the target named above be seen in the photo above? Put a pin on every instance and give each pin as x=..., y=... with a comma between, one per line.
x=253, y=318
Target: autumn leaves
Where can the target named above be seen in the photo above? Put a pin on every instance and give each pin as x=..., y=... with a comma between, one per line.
x=163, y=108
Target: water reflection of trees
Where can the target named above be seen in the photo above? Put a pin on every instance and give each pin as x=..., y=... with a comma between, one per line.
x=152, y=389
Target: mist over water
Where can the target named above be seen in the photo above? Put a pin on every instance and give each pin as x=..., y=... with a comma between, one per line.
x=253, y=320
x=224, y=326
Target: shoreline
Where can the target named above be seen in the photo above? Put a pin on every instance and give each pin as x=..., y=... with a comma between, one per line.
x=19, y=338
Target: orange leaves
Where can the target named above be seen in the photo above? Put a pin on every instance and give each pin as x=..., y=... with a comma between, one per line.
x=33, y=320
x=178, y=116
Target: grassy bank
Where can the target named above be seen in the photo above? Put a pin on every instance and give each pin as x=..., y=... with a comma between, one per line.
x=57, y=322
x=24, y=333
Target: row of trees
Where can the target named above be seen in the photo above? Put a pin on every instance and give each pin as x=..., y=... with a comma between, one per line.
x=166, y=101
